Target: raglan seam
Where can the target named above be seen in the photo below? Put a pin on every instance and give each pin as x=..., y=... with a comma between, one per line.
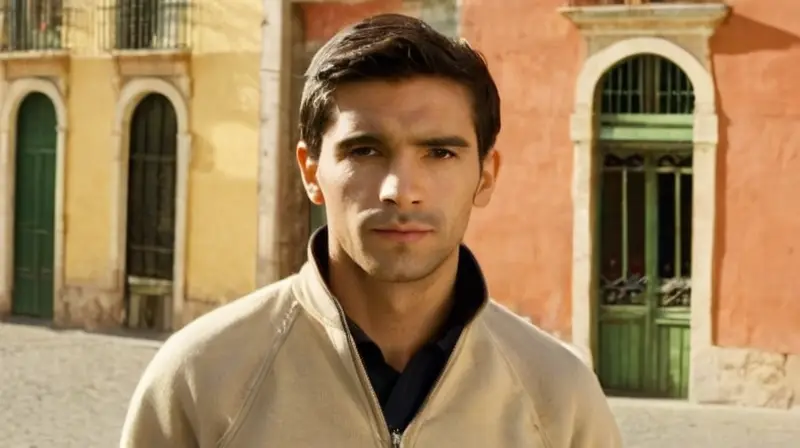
x=538, y=423
x=283, y=330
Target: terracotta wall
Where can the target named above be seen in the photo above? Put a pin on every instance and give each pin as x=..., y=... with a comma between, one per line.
x=758, y=227
x=323, y=20
x=524, y=238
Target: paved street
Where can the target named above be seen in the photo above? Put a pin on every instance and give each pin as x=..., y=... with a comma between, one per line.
x=63, y=389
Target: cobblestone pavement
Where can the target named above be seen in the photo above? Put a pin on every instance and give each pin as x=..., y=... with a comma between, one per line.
x=64, y=389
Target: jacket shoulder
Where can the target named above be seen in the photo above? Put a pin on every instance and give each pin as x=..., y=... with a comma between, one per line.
x=558, y=379
x=202, y=375
x=261, y=311
x=519, y=334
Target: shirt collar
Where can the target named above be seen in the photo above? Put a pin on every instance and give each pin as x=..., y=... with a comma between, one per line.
x=470, y=292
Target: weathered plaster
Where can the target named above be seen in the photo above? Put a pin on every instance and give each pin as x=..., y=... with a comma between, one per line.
x=91, y=307
x=747, y=377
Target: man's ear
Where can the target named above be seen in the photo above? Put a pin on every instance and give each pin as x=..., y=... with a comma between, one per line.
x=488, y=180
x=308, y=164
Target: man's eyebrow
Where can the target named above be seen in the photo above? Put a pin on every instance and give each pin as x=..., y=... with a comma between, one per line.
x=372, y=139
x=360, y=139
x=446, y=141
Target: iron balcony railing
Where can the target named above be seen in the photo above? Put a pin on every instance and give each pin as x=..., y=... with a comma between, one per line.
x=146, y=24
x=33, y=25
x=639, y=2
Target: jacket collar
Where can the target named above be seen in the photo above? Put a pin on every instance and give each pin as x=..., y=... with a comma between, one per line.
x=312, y=291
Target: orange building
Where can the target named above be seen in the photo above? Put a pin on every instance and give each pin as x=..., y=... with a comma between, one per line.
x=647, y=210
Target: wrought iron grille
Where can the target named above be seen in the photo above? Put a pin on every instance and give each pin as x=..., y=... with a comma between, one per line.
x=151, y=189
x=34, y=25
x=645, y=228
x=146, y=24
x=646, y=84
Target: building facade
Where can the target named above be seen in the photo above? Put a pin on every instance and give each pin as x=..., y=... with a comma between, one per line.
x=677, y=274
x=657, y=146
x=128, y=147
x=146, y=153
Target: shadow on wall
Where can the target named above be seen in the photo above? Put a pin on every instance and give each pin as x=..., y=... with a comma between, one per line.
x=226, y=50
x=728, y=40
x=721, y=205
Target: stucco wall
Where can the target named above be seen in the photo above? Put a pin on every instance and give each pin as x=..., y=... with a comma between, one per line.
x=524, y=237
x=223, y=112
x=758, y=224
x=89, y=297
x=225, y=120
x=323, y=20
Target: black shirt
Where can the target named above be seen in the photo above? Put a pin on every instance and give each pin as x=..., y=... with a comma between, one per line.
x=401, y=394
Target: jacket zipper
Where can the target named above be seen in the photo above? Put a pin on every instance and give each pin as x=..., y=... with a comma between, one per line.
x=394, y=436
x=447, y=367
x=436, y=386
x=397, y=439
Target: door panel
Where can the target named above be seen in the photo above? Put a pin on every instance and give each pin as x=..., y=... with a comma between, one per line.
x=644, y=271
x=622, y=350
x=672, y=362
x=34, y=208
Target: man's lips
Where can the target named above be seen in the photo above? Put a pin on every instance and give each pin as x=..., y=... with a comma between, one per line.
x=403, y=235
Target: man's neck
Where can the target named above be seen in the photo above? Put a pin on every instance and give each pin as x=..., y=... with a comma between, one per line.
x=399, y=317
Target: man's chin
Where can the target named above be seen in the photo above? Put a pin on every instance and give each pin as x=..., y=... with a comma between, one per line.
x=388, y=276
x=390, y=270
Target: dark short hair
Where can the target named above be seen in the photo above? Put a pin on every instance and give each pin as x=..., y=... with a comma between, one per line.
x=396, y=47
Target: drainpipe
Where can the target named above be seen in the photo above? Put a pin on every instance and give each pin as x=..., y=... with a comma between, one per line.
x=274, y=133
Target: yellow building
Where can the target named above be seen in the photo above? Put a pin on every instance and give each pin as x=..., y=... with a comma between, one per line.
x=129, y=143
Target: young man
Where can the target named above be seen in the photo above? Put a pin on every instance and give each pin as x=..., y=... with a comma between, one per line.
x=386, y=337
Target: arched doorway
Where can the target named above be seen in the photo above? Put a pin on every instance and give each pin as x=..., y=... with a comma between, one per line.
x=150, y=229
x=643, y=269
x=34, y=207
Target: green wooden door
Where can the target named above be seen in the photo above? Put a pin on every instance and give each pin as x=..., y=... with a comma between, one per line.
x=644, y=269
x=645, y=227
x=34, y=208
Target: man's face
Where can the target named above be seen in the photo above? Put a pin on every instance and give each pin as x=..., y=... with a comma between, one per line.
x=399, y=173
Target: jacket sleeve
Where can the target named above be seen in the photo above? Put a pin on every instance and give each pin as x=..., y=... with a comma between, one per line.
x=158, y=415
x=595, y=425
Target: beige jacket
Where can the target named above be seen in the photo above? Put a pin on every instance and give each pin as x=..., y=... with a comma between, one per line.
x=278, y=369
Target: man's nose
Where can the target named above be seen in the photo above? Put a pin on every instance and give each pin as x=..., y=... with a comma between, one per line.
x=402, y=185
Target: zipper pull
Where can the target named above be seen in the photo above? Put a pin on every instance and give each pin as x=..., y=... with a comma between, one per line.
x=397, y=439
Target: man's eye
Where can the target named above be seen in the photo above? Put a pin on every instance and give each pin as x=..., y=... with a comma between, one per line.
x=442, y=153
x=363, y=151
